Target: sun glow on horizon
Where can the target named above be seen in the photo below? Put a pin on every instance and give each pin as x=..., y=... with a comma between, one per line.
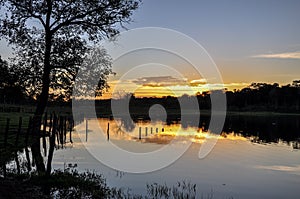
x=159, y=90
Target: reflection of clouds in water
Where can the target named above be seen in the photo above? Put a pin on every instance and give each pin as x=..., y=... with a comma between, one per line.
x=126, y=136
x=281, y=168
x=157, y=133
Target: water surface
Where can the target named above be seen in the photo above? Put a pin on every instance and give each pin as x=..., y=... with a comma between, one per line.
x=255, y=156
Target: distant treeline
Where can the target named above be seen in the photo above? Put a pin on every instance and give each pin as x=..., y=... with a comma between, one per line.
x=265, y=97
x=255, y=97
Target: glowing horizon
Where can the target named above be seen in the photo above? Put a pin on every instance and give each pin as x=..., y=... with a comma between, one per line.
x=161, y=90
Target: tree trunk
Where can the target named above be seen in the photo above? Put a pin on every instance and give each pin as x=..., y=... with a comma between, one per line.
x=42, y=103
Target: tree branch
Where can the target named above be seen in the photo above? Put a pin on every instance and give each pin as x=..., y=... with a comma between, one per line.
x=80, y=16
x=29, y=10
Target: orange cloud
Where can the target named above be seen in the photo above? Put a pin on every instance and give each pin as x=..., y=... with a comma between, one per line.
x=197, y=82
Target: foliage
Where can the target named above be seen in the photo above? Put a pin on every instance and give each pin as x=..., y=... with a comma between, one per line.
x=182, y=190
x=71, y=184
x=51, y=38
x=266, y=97
x=54, y=36
x=10, y=91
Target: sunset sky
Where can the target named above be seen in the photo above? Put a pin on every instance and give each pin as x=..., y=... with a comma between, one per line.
x=250, y=41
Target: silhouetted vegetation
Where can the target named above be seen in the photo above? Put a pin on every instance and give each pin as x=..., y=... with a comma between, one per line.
x=69, y=183
x=266, y=97
x=10, y=89
x=50, y=52
x=257, y=97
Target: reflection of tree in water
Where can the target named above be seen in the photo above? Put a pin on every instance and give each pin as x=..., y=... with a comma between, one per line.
x=127, y=123
x=296, y=144
x=269, y=129
x=260, y=129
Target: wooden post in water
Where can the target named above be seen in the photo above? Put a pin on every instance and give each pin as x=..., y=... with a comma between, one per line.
x=5, y=145
x=65, y=129
x=140, y=133
x=28, y=131
x=86, y=130
x=71, y=122
x=61, y=130
x=6, y=133
x=44, y=134
x=50, y=123
x=16, y=145
x=18, y=132
x=26, y=144
x=51, y=145
x=108, y=131
x=57, y=130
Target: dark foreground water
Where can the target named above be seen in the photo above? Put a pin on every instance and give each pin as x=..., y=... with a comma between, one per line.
x=255, y=156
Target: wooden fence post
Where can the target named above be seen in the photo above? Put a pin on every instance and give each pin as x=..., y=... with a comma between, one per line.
x=6, y=133
x=71, y=122
x=86, y=130
x=61, y=130
x=44, y=134
x=50, y=122
x=65, y=129
x=16, y=145
x=18, y=132
x=5, y=145
x=108, y=131
x=140, y=133
x=51, y=145
x=57, y=130
x=26, y=144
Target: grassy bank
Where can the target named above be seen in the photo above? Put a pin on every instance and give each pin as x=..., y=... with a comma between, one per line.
x=71, y=184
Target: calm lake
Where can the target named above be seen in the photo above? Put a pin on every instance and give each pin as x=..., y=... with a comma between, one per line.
x=255, y=156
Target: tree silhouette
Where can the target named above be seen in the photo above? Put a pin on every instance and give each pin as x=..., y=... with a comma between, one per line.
x=51, y=37
x=10, y=90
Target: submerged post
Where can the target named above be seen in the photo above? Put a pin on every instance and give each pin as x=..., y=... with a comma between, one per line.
x=108, y=131
x=44, y=134
x=6, y=132
x=86, y=130
x=5, y=145
x=140, y=133
x=18, y=132
x=71, y=127
x=16, y=146
x=61, y=131
x=26, y=144
x=52, y=135
x=65, y=129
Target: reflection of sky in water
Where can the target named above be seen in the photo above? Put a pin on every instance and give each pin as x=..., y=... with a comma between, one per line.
x=235, y=167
